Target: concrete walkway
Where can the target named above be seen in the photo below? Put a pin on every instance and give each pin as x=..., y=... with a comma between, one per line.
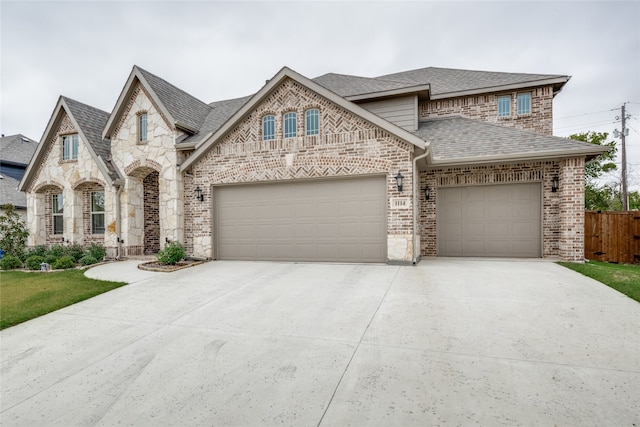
x=448, y=342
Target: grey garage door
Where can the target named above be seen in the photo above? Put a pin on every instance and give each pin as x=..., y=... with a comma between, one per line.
x=490, y=221
x=329, y=220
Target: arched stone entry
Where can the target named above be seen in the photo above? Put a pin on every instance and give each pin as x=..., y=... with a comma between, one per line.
x=151, y=213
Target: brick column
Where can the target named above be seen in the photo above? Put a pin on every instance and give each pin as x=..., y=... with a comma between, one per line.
x=571, y=245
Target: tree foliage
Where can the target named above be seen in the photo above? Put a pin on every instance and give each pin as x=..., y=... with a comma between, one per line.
x=13, y=232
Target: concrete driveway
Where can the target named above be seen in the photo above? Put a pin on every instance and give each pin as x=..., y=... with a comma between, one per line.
x=448, y=342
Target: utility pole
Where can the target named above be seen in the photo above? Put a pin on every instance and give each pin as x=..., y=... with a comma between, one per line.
x=623, y=151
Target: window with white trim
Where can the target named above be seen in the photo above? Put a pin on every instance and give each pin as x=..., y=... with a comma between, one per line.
x=524, y=103
x=504, y=106
x=57, y=209
x=312, y=122
x=70, y=147
x=142, y=127
x=290, y=124
x=268, y=128
x=97, y=212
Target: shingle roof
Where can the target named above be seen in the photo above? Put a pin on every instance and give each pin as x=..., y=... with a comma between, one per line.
x=9, y=192
x=17, y=149
x=92, y=121
x=346, y=85
x=456, y=138
x=183, y=107
x=220, y=112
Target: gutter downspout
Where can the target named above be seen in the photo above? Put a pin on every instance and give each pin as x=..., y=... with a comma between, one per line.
x=120, y=187
x=416, y=203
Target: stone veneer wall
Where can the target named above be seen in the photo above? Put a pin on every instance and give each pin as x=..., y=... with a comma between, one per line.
x=563, y=211
x=485, y=108
x=347, y=146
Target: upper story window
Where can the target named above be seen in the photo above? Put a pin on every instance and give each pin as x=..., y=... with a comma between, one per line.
x=142, y=127
x=524, y=103
x=290, y=124
x=504, y=106
x=70, y=147
x=57, y=208
x=97, y=212
x=268, y=128
x=312, y=122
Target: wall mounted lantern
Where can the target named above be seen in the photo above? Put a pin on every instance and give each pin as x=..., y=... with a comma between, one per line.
x=555, y=184
x=199, y=194
x=427, y=193
x=399, y=178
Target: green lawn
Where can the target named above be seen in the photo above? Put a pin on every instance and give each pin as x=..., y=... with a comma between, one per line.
x=24, y=295
x=624, y=278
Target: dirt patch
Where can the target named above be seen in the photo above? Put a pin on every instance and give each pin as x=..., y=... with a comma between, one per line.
x=156, y=266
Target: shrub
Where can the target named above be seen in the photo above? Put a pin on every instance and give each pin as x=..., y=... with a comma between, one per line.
x=88, y=260
x=97, y=251
x=50, y=259
x=34, y=261
x=56, y=251
x=64, y=263
x=9, y=262
x=75, y=251
x=13, y=231
x=37, y=251
x=172, y=253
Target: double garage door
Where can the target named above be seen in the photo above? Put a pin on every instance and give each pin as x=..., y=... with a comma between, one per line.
x=490, y=221
x=330, y=220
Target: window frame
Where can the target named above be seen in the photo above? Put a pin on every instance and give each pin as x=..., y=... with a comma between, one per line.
x=312, y=115
x=527, y=96
x=70, y=147
x=503, y=98
x=289, y=121
x=143, y=127
x=57, y=213
x=270, y=133
x=93, y=213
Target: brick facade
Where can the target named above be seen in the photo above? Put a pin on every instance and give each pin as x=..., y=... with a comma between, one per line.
x=151, y=213
x=485, y=107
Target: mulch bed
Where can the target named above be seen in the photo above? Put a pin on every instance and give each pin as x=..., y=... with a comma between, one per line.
x=156, y=266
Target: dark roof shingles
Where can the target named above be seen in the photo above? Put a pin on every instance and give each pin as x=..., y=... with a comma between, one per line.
x=17, y=149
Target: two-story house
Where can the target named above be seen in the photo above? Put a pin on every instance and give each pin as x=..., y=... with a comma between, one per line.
x=428, y=162
x=15, y=153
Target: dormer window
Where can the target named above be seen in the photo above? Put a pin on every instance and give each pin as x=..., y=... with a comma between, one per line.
x=312, y=122
x=142, y=127
x=524, y=103
x=268, y=128
x=70, y=147
x=290, y=124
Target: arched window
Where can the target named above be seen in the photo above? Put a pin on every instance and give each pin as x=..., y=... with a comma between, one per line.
x=312, y=122
x=268, y=128
x=290, y=124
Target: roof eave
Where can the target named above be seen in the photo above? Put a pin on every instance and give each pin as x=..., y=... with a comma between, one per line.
x=515, y=86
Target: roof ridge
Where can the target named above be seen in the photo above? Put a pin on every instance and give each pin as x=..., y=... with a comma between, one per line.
x=171, y=84
x=66, y=98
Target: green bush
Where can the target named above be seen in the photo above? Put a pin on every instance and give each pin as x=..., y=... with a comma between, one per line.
x=63, y=263
x=51, y=259
x=172, y=253
x=75, y=251
x=13, y=231
x=87, y=260
x=97, y=251
x=38, y=251
x=34, y=261
x=57, y=251
x=9, y=262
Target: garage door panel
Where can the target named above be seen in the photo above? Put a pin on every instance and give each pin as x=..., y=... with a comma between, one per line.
x=332, y=220
x=493, y=220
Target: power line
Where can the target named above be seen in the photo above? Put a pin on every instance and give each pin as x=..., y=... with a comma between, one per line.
x=583, y=114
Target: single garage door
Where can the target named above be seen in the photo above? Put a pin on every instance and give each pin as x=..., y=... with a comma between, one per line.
x=490, y=221
x=330, y=220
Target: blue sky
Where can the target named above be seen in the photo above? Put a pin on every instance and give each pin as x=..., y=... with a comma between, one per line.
x=220, y=50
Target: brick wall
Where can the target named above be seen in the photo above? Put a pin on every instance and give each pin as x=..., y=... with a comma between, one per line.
x=485, y=108
x=347, y=146
x=151, y=213
x=86, y=190
x=563, y=211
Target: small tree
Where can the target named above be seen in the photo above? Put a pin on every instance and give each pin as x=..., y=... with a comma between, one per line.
x=598, y=197
x=13, y=232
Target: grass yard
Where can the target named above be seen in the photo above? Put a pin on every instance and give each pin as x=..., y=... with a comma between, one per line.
x=624, y=278
x=24, y=295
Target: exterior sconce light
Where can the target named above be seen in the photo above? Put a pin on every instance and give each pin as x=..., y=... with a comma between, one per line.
x=555, y=184
x=199, y=194
x=399, y=178
x=427, y=193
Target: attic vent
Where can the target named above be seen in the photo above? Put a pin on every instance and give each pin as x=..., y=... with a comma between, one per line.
x=24, y=140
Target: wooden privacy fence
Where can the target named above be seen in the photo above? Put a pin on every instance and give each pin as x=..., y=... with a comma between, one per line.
x=612, y=236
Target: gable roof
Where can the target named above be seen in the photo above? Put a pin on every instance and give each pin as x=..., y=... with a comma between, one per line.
x=181, y=109
x=460, y=140
x=441, y=82
x=88, y=121
x=269, y=87
x=17, y=149
x=9, y=192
